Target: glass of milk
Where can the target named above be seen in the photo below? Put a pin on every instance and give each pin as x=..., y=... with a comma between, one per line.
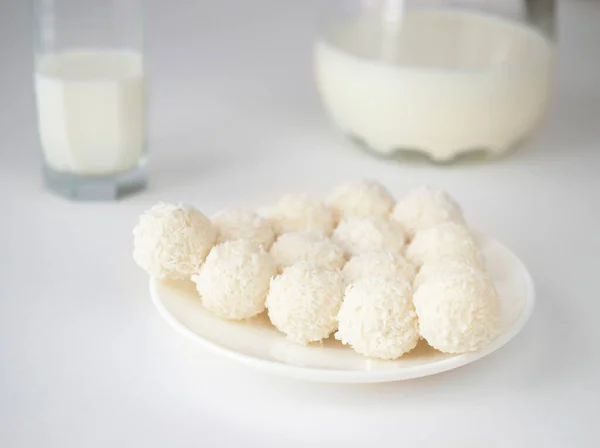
x=442, y=78
x=90, y=96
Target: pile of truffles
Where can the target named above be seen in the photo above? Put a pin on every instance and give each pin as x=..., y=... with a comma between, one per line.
x=380, y=275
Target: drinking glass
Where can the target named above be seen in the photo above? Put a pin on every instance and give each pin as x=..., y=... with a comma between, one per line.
x=90, y=96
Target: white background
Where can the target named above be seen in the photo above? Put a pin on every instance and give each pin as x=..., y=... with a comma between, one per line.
x=85, y=360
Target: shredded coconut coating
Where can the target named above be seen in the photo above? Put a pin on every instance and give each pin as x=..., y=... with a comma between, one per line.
x=377, y=318
x=450, y=265
x=296, y=213
x=311, y=246
x=234, y=280
x=362, y=198
x=361, y=235
x=243, y=224
x=378, y=264
x=444, y=240
x=426, y=207
x=303, y=302
x=458, y=312
x=171, y=241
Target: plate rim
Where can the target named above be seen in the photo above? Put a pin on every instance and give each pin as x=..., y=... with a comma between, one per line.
x=357, y=376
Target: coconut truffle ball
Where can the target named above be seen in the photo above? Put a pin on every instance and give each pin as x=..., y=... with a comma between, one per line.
x=171, y=241
x=458, y=312
x=243, y=224
x=443, y=240
x=450, y=265
x=311, y=246
x=360, y=235
x=295, y=213
x=234, y=280
x=363, y=198
x=378, y=264
x=426, y=207
x=377, y=318
x=303, y=302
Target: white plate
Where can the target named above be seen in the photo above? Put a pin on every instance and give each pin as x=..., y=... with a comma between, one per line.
x=258, y=344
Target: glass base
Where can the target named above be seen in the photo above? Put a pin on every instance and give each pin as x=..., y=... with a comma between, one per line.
x=100, y=188
x=417, y=156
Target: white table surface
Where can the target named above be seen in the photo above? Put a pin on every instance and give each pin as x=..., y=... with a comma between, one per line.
x=86, y=361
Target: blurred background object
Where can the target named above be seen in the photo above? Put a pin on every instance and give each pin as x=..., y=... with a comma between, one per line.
x=444, y=78
x=90, y=96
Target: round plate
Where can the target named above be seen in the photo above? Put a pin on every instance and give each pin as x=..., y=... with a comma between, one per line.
x=258, y=344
